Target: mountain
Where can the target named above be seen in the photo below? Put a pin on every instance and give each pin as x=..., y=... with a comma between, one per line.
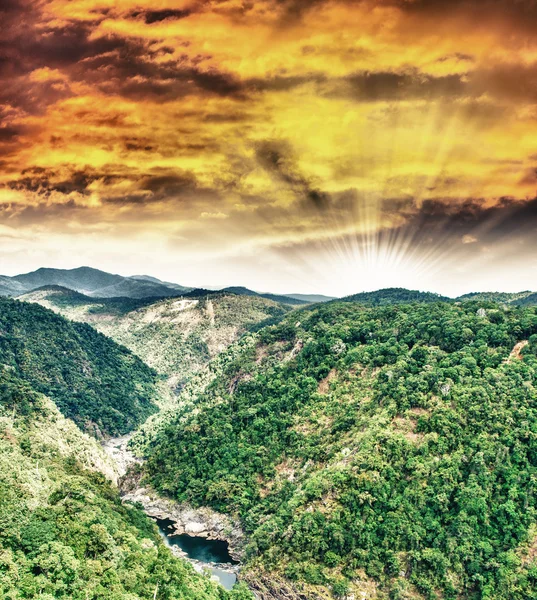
x=65, y=532
x=242, y=291
x=175, y=336
x=169, y=284
x=129, y=287
x=526, y=300
x=377, y=452
x=91, y=282
x=501, y=297
x=10, y=287
x=83, y=279
x=394, y=296
x=102, y=386
x=311, y=298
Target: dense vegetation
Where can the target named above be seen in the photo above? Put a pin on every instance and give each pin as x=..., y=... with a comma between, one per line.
x=518, y=298
x=394, y=296
x=64, y=533
x=103, y=387
x=390, y=448
x=176, y=336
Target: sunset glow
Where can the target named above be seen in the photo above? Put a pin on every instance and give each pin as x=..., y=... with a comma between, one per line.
x=313, y=146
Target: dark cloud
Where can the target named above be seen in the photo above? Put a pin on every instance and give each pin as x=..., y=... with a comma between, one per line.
x=44, y=182
x=282, y=83
x=167, y=187
x=129, y=68
x=276, y=157
x=155, y=16
x=158, y=185
x=133, y=144
x=11, y=133
x=126, y=66
x=386, y=85
x=458, y=56
x=530, y=177
x=441, y=218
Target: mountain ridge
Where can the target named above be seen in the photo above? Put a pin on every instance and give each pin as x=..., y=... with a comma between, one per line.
x=89, y=281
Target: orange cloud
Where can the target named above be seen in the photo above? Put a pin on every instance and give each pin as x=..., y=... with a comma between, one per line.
x=270, y=124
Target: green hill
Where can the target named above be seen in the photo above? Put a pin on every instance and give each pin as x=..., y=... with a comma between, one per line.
x=176, y=336
x=527, y=300
x=64, y=532
x=386, y=452
x=500, y=297
x=394, y=296
x=102, y=386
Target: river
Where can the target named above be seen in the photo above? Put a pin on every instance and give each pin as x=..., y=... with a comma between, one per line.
x=203, y=553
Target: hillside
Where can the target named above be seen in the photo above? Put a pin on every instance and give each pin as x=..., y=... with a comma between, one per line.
x=102, y=386
x=91, y=282
x=64, y=532
x=311, y=298
x=177, y=337
x=386, y=451
x=527, y=300
x=501, y=297
x=394, y=296
x=242, y=291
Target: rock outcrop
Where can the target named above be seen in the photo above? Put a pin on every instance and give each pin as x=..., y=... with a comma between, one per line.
x=199, y=522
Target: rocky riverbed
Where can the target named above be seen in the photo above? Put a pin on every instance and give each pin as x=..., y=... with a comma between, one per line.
x=199, y=523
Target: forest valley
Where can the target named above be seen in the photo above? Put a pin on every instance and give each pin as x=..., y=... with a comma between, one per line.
x=379, y=446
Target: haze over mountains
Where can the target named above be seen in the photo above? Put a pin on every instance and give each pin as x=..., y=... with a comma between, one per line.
x=91, y=282
x=94, y=283
x=100, y=284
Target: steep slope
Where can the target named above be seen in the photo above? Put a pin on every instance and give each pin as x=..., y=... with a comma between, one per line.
x=394, y=296
x=384, y=452
x=177, y=337
x=64, y=533
x=102, y=386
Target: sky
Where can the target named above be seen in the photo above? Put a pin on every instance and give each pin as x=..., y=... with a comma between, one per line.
x=318, y=146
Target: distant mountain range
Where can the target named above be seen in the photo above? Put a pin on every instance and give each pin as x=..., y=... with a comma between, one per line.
x=95, y=283
x=91, y=282
x=284, y=299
